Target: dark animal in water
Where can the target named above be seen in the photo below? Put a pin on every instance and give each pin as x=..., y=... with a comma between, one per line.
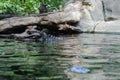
x=31, y=34
x=41, y=36
x=43, y=8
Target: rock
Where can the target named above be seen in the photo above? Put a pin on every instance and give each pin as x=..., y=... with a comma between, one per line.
x=105, y=16
x=112, y=9
x=103, y=9
x=79, y=69
x=72, y=13
x=108, y=27
x=45, y=20
x=76, y=6
x=97, y=12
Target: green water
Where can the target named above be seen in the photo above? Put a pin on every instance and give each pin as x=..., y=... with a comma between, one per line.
x=29, y=61
x=52, y=61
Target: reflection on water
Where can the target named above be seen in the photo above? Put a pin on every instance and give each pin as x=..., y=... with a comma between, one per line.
x=98, y=52
x=30, y=61
x=52, y=61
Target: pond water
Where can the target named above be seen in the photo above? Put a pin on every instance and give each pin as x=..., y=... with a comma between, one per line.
x=100, y=53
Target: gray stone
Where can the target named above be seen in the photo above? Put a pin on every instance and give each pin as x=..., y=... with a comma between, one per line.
x=108, y=27
x=112, y=9
x=100, y=26
x=97, y=12
x=103, y=10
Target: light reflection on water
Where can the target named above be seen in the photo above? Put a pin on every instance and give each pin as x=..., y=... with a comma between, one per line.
x=39, y=61
x=98, y=52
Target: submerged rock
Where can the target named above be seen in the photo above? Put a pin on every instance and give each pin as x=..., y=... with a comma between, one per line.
x=79, y=69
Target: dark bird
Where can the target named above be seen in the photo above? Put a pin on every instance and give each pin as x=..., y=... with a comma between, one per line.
x=43, y=8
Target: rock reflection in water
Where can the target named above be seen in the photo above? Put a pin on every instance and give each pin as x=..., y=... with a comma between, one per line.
x=98, y=52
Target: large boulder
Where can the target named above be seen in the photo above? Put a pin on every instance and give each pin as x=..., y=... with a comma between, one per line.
x=112, y=9
x=97, y=12
x=103, y=10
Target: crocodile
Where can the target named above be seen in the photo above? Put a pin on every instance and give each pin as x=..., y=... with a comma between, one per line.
x=33, y=35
